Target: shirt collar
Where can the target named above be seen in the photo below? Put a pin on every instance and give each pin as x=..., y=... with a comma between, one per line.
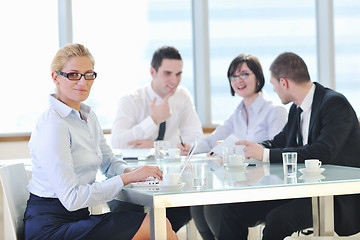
x=64, y=110
x=258, y=103
x=307, y=102
x=84, y=110
x=152, y=94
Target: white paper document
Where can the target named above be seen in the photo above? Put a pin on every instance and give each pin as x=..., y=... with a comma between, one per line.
x=230, y=142
x=139, y=154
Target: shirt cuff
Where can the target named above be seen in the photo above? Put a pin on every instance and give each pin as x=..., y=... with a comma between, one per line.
x=202, y=147
x=148, y=126
x=121, y=168
x=266, y=155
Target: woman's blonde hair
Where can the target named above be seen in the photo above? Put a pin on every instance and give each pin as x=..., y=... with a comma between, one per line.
x=68, y=51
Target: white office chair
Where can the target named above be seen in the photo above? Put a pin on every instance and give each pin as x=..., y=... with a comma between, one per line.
x=15, y=195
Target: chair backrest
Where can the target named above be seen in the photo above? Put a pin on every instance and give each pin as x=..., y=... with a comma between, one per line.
x=15, y=194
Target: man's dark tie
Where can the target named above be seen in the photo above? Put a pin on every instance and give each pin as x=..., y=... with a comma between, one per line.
x=299, y=134
x=162, y=128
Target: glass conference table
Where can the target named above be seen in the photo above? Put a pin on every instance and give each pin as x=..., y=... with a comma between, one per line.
x=253, y=183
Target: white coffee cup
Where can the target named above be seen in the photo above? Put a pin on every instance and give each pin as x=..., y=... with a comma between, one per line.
x=174, y=152
x=236, y=160
x=170, y=178
x=312, y=164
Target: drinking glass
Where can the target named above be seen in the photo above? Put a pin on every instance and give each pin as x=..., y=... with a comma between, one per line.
x=290, y=163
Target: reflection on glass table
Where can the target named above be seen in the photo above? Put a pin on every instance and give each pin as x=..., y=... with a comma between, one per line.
x=253, y=183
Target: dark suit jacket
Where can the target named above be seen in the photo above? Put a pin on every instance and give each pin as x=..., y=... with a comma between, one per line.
x=334, y=138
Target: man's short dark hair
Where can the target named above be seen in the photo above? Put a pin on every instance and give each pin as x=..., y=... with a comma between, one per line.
x=253, y=64
x=165, y=52
x=291, y=66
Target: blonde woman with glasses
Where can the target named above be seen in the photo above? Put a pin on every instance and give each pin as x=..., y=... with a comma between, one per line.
x=68, y=148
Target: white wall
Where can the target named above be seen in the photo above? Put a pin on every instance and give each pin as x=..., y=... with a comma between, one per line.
x=14, y=150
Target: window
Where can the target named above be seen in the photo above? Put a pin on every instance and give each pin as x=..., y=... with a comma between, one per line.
x=29, y=39
x=347, y=50
x=262, y=28
x=122, y=36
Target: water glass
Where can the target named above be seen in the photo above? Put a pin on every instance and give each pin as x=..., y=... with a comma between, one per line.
x=290, y=179
x=161, y=149
x=199, y=174
x=227, y=152
x=290, y=163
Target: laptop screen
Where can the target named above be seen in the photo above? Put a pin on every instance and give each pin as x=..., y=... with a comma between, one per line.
x=188, y=157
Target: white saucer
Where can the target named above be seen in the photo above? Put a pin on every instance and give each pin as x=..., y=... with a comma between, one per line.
x=311, y=172
x=313, y=177
x=171, y=187
x=242, y=166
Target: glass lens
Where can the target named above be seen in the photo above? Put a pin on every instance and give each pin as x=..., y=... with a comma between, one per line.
x=90, y=76
x=74, y=76
x=233, y=78
x=244, y=75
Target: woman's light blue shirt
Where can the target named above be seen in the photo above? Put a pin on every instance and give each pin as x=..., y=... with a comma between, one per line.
x=266, y=119
x=67, y=153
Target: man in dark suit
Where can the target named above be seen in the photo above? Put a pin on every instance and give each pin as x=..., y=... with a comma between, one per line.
x=328, y=130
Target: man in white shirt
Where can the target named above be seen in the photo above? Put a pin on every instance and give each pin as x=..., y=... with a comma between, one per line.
x=139, y=114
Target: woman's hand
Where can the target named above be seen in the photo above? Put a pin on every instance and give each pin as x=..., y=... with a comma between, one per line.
x=219, y=142
x=141, y=173
x=184, y=148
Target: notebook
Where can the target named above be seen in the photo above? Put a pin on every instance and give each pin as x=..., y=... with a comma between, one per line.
x=151, y=181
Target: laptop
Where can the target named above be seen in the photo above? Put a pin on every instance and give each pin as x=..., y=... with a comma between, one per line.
x=152, y=182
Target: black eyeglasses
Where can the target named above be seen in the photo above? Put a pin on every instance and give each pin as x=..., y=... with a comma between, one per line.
x=77, y=76
x=242, y=76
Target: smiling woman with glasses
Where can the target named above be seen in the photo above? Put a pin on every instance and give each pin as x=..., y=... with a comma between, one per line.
x=68, y=149
x=256, y=118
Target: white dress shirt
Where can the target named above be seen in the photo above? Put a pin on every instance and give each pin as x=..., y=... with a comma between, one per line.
x=304, y=120
x=133, y=120
x=266, y=119
x=67, y=153
x=306, y=113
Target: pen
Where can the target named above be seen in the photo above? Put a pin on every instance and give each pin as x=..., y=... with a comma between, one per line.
x=181, y=141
